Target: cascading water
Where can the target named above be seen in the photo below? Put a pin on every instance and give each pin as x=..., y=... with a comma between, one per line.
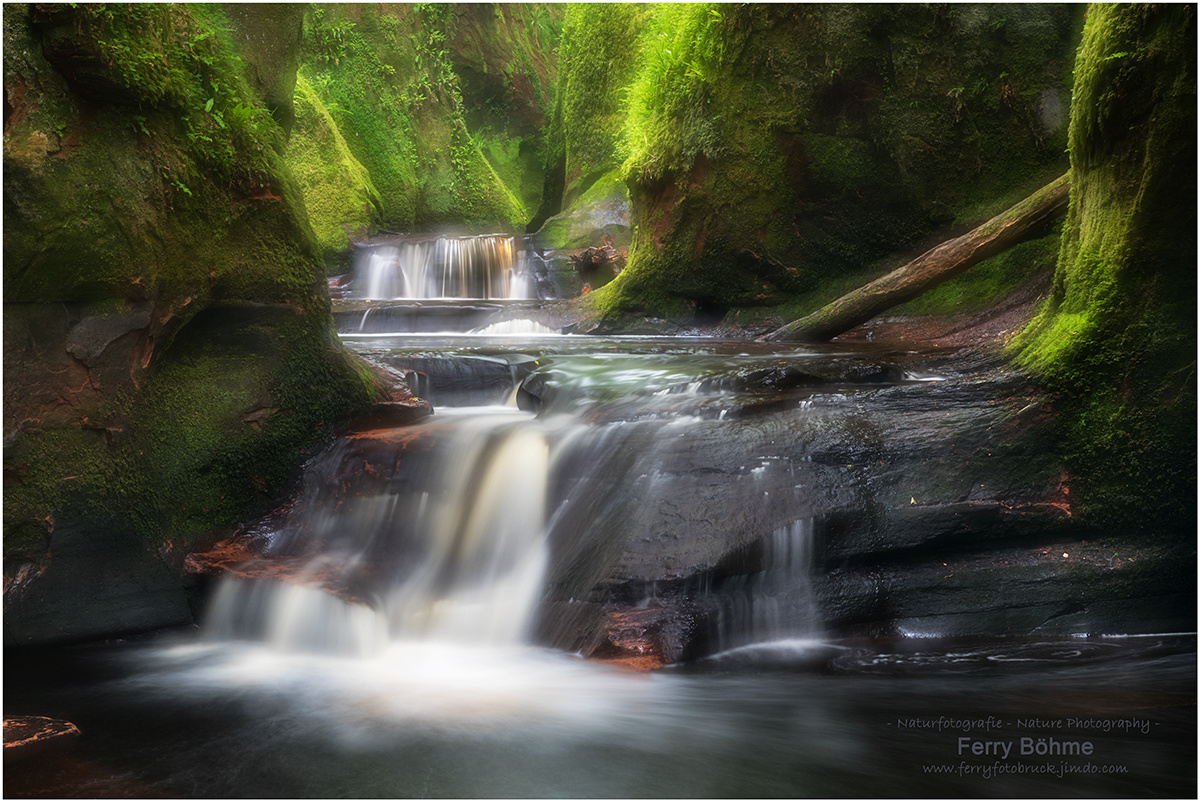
x=776, y=603
x=454, y=552
x=439, y=532
x=387, y=647
x=491, y=267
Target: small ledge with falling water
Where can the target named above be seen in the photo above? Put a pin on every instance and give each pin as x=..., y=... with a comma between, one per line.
x=420, y=285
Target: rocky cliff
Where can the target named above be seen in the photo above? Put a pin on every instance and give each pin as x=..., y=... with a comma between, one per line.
x=168, y=344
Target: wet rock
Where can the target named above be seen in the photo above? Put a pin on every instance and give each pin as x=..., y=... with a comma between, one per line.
x=1062, y=589
x=940, y=507
x=391, y=317
x=36, y=736
x=389, y=414
x=127, y=585
x=460, y=380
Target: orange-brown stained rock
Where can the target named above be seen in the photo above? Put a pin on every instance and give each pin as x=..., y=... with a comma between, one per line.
x=28, y=736
x=238, y=559
x=221, y=556
x=632, y=639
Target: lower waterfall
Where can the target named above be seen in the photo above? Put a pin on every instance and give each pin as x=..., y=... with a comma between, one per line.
x=456, y=556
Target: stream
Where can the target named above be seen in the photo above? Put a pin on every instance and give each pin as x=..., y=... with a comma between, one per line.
x=464, y=606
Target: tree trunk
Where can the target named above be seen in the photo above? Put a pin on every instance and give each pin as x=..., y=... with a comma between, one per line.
x=935, y=266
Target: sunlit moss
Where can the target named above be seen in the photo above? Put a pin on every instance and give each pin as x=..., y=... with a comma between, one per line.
x=338, y=193
x=387, y=78
x=772, y=148
x=597, y=60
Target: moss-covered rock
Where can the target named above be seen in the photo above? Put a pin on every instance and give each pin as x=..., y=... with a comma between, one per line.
x=1116, y=341
x=771, y=148
x=268, y=36
x=342, y=202
x=167, y=336
x=386, y=76
x=505, y=57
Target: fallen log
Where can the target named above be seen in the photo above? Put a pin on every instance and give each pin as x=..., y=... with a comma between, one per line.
x=936, y=266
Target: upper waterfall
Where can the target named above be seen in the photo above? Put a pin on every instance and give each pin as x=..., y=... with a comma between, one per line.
x=489, y=267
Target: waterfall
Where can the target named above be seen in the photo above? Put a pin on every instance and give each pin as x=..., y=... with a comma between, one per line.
x=452, y=554
x=491, y=267
x=775, y=603
x=441, y=532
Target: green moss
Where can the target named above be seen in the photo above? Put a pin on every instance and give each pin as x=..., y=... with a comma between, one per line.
x=597, y=60
x=387, y=77
x=505, y=58
x=772, y=148
x=118, y=203
x=338, y=193
x=373, y=108
x=221, y=424
x=109, y=202
x=1116, y=340
x=214, y=434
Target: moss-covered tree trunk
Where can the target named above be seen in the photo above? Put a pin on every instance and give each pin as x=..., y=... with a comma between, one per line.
x=1117, y=339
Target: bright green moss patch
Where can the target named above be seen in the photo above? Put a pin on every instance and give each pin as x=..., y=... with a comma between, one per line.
x=598, y=58
x=338, y=193
x=387, y=78
x=505, y=59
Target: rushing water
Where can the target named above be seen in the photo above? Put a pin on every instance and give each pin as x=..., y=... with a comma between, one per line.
x=409, y=650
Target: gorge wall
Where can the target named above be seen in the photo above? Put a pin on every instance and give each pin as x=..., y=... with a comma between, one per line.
x=421, y=118
x=771, y=150
x=168, y=344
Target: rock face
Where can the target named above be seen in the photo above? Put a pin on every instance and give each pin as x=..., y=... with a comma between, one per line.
x=769, y=148
x=167, y=335
x=1116, y=342
x=420, y=118
x=937, y=509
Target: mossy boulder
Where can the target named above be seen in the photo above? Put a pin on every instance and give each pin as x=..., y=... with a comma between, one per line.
x=769, y=149
x=1116, y=341
x=167, y=336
